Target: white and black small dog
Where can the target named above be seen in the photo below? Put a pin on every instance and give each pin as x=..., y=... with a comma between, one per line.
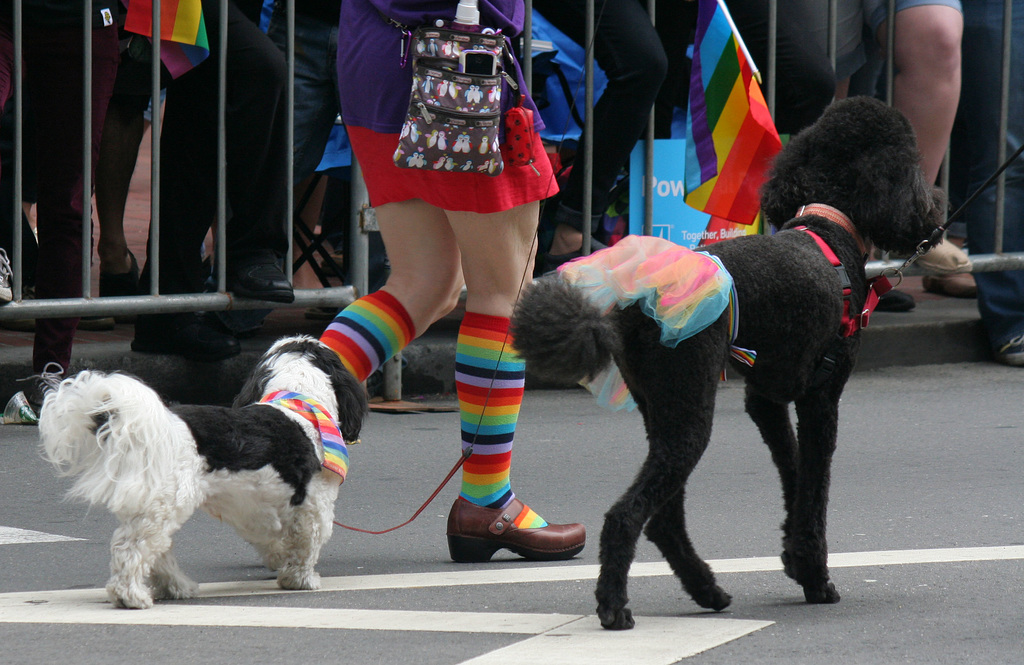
x=260, y=467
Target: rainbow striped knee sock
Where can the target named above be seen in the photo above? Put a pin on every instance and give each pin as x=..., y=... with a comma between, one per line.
x=368, y=332
x=489, y=379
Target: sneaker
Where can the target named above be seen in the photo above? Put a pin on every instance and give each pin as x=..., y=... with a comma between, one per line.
x=1011, y=352
x=6, y=278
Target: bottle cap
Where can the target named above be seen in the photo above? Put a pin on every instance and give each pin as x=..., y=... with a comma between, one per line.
x=467, y=13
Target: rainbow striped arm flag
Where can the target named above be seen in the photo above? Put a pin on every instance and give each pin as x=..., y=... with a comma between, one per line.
x=730, y=136
x=184, y=43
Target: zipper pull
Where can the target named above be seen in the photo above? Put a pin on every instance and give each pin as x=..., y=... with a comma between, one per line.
x=427, y=115
x=508, y=79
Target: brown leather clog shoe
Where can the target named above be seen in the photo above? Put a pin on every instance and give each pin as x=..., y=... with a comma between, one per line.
x=476, y=533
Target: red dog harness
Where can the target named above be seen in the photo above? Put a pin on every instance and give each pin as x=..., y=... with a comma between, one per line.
x=877, y=287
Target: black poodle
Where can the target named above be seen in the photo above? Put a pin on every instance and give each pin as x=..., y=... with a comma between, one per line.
x=860, y=158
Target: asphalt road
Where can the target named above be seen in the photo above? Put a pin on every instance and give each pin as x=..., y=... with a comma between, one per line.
x=926, y=533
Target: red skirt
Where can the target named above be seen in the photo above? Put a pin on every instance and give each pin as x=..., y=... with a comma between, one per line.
x=465, y=192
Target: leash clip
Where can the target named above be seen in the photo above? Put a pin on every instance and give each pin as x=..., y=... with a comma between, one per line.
x=897, y=272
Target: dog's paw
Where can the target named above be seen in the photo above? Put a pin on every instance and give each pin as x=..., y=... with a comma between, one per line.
x=175, y=589
x=620, y=619
x=713, y=599
x=129, y=596
x=298, y=578
x=822, y=594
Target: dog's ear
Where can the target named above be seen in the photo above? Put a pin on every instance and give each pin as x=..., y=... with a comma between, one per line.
x=894, y=204
x=254, y=387
x=349, y=393
x=351, y=398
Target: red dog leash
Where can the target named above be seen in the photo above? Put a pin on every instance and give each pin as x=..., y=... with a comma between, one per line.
x=462, y=458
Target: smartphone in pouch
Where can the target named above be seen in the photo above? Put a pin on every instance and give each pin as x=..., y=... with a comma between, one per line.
x=484, y=63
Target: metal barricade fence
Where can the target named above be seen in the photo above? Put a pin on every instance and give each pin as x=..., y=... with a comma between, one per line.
x=361, y=217
x=155, y=302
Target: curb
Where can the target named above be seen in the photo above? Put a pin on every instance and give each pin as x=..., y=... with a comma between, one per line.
x=938, y=332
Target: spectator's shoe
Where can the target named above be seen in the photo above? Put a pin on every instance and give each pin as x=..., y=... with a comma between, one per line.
x=6, y=278
x=187, y=335
x=896, y=301
x=261, y=280
x=1011, y=352
x=957, y=285
x=122, y=283
x=475, y=533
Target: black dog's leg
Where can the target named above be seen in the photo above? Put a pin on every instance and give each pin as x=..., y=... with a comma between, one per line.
x=805, y=549
x=676, y=395
x=667, y=530
x=623, y=523
x=772, y=420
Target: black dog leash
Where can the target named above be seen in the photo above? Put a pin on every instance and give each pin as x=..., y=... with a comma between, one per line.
x=937, y=234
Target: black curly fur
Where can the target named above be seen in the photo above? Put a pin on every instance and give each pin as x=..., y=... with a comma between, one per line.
x=552, y=355
x=861, y=158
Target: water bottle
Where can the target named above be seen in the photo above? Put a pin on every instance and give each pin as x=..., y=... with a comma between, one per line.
x=467, y=16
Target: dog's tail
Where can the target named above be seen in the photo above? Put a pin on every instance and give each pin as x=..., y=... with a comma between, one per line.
x=560, y=334
x=117, y=437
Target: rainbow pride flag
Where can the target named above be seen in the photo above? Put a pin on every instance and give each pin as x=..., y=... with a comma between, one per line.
x=184, y=43
x=730, y=135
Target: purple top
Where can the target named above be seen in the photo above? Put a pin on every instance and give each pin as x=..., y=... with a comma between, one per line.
x=373, y=85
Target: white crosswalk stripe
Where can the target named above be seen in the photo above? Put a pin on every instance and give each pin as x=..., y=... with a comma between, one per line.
x=549, y=638
x=11, y=536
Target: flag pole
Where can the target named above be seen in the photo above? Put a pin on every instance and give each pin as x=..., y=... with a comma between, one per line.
x=739, y=40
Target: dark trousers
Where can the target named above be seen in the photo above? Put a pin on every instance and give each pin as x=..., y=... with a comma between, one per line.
x=627, y=48
x=805, y=81
x=637, y=58
x=53, y=80
x=256, y=153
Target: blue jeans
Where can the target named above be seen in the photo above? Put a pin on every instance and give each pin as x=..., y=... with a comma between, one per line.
x=316, y=85
x=975, y=158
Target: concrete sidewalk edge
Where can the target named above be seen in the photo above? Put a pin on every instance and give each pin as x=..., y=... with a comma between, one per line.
x=938, y=337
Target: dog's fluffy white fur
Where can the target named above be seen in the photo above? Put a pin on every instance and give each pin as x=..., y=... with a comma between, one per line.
x=255, y=466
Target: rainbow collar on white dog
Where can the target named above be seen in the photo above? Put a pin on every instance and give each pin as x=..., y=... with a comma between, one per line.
x=335, y=452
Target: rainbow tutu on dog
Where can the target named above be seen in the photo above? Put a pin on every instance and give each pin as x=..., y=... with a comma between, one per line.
x=683, y=290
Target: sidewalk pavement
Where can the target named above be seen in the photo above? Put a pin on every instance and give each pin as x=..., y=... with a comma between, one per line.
x=938, y=330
